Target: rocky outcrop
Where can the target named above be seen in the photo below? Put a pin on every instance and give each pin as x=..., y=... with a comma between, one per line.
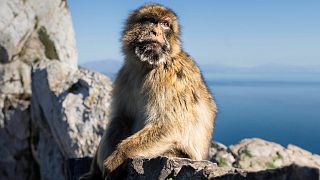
x=69, y=112
x=180, y=169
x=252, y=158
x=73, y=104
x=258, y=154
x=38, y=63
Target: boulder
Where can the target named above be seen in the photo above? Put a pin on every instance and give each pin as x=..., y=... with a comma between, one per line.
x=258, y=154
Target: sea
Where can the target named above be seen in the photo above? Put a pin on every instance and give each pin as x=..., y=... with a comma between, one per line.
x=283, y=108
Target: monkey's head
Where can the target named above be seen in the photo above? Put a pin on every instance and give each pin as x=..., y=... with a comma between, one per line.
x=151, y=34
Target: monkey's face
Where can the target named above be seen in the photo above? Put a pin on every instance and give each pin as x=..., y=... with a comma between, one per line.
x=151, y=34
x=152, y=44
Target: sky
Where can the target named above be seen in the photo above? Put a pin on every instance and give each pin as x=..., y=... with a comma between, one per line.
x=223, y=32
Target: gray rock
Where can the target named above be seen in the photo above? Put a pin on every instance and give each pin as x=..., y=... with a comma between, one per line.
x=15, y=78
x=35, y=32
x=49, y=22
x=257, y=154
x=178, y=168
x=15, y=154
x=69, y=110
x=220, y=154
x=166, y=168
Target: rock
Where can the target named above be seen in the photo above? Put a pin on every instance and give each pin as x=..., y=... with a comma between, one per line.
x=219, y=154
x=36, y=34
x=69, y=111
x=47, y=22
x=15, y=79
x=302, y=157
x=257, y=154
x=179, y=168
x=15, y=91
x=15, y=153
x=166, y=168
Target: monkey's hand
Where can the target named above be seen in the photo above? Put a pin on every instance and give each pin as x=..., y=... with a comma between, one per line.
x=114, y=160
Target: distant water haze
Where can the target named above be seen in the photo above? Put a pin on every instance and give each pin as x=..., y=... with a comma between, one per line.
x=271, y=102
x=268, y=72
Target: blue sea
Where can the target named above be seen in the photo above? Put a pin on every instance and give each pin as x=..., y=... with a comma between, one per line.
x=284, y=108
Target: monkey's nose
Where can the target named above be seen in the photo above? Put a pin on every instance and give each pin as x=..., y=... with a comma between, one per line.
x=156, y=34
x=153, y=32
x=156, y=31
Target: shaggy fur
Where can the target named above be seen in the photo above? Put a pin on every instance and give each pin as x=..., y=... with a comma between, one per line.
x=161, y=105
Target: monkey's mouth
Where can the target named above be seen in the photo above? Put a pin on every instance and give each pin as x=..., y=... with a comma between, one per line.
x=150, y=45
x=151, y=51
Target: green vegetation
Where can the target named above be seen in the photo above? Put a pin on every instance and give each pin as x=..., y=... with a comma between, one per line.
x=50, y=49
x=222, y=162
x=270, y=165
x=274, y=158
x=247, y=153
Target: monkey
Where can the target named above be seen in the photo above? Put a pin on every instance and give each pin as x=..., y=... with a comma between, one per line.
x=161, y=104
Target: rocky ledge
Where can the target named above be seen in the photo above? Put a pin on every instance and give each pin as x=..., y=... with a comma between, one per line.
x=251, y=158
x=180, y=168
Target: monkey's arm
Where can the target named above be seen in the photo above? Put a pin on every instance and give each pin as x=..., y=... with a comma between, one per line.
x=149, y=141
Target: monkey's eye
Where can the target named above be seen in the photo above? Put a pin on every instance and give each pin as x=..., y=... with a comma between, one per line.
x=165, y=25
x=148, y=20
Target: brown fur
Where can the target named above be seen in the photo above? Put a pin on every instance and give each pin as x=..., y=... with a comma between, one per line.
x=159, y=107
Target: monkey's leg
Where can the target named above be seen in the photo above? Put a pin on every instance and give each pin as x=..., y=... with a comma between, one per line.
x=149, y=141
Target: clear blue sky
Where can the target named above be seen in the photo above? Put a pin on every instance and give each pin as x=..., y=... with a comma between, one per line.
x=224, y=32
